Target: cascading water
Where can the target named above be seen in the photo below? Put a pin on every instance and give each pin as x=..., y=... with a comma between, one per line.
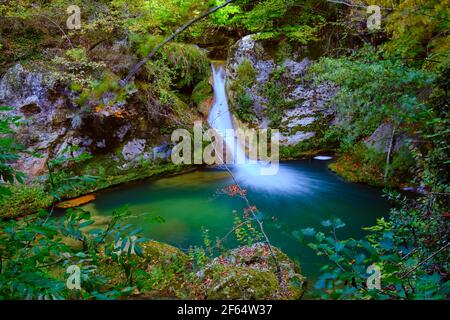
x=220, y=117
x=246, y=172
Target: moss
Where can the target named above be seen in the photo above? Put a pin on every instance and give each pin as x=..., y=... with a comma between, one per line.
x=360, y=164
x=245, y=273
x=19, y=44
x=24, y=199
x=351, y=169
x=320, y=143
x=277, y=103
x=27, y=199
x=245, y=78
x=304, y=149
x=241, y=283
x=188, y=63
x=201, y=92
x=110, y=174
x=365, y=165
x=246, y=73
x=249, y=273
x=162, y=272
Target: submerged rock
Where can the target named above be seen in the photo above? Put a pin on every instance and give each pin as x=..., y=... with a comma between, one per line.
x=76, y=202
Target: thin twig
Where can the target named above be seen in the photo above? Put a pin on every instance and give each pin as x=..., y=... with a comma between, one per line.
x=57, y=25
x=422, y=262
x=260, y=224
x=233, y=230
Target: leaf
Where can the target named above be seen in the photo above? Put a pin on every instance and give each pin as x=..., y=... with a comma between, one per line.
x=308, y=231
x=327, y=223
x=338, y=223
x=86, y=223
x=339, y=246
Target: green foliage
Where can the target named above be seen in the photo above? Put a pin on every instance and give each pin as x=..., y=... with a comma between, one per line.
x=186, y=63
x=386, y=86
x=419, y=30
x=8, y=152
x=297, y=21
x=31, y=249
x=245, y=110
x=303, y=34
x=201, y=91
x=412, y=265
x=264, y=13
x=75, y=68
x=246, y=73
x=245, y=78
x=367, y=165
x=277, y=103
x=372, y=91
x=60, y=170
x=246, y=234
x=34, y=250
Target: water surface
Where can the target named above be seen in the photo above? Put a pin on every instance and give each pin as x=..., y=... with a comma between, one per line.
x=191, y=202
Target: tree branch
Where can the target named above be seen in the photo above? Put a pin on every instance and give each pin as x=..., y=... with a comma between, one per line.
x=424, y=261
x=139, y=65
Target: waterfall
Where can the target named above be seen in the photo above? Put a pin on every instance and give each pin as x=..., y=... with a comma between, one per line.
x=220, y=118
x=247, y=172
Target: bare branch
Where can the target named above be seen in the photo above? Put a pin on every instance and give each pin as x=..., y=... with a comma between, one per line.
x=139, y=65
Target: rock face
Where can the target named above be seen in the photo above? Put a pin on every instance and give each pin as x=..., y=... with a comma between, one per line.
x=380, y=140
x=53, y=123
x=278, y=93
x=133, y=149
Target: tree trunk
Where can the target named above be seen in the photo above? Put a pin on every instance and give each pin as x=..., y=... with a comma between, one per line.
x=388, y=157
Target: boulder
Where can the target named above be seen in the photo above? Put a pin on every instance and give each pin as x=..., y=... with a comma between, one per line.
x=53, y=122
x=133, y=149
x=380, y=139
x=249, y=272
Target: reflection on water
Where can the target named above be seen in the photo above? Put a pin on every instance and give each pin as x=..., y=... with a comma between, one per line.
x=189, y=202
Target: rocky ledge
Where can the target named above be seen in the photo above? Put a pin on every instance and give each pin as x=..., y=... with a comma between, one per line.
x=266, y=93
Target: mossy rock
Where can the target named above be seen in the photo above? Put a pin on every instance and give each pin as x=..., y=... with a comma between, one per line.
x=242, y=283
x=158, y=253
x=202, y=91
x=161, y=272
x=24, y=200
x=249, y=272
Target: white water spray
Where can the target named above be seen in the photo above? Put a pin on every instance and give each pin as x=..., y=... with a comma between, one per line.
x=249, y=173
